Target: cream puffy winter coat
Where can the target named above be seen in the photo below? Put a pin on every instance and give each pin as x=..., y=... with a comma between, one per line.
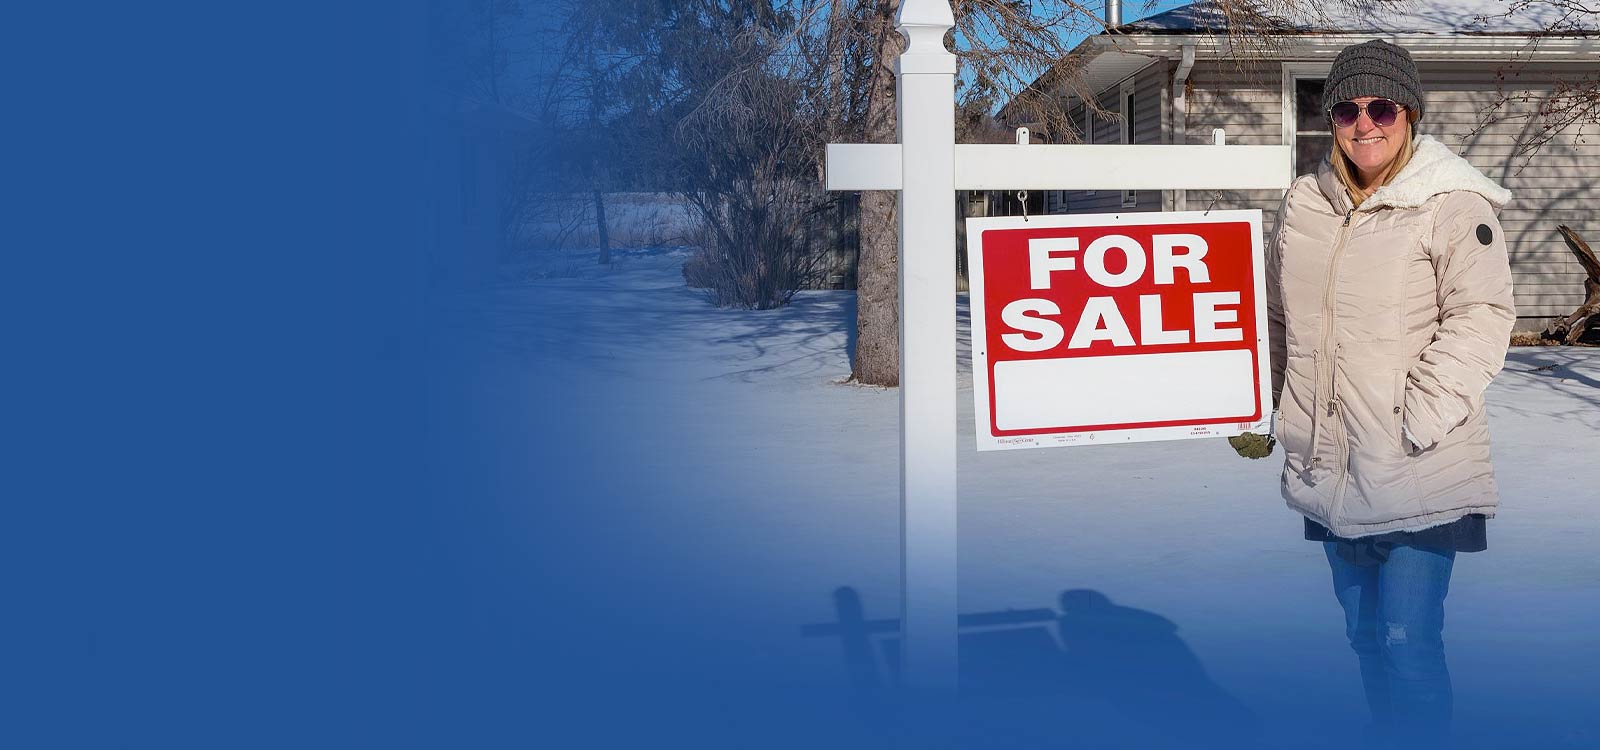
x=1389, y=319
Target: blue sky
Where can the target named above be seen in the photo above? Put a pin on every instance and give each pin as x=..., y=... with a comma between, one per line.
x=1134, y=11
x=1131, y=11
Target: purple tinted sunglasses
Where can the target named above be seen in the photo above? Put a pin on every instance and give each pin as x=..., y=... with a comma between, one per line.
x=1382, y=111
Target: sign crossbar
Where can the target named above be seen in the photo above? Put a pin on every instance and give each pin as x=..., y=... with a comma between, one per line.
x=877, y=166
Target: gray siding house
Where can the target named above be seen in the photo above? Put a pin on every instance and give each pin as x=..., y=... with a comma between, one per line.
x=1172, y=78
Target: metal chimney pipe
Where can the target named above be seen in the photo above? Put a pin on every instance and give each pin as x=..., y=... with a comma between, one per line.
x=1113, y=13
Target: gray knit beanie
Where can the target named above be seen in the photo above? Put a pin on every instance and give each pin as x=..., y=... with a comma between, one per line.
x=1375, y=68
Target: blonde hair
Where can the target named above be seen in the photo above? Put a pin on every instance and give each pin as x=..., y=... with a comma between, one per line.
x=1347, y=174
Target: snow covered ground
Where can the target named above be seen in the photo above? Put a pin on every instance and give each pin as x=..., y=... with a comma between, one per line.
x=680, y=490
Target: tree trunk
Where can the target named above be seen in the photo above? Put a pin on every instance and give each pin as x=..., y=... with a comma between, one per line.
x=877, y=355
x=1571, y=329
x=600, y=227
x=836, y=88
x=597, y=167
x=963, y=275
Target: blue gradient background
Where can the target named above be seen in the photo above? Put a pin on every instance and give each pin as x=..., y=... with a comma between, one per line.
x=258, y=495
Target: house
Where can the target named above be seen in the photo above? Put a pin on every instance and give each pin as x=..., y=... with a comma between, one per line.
x=1174, y=77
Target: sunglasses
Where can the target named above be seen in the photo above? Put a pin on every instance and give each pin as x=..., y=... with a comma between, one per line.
x=1383, y=112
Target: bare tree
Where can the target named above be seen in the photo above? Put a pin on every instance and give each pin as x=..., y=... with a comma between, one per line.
x=1007, y=50
x=490, y=43
x=585, y=101
x=1572, y=103
x=876, y=359
x=721, y=105
x=1562, y=105
x=752, y=192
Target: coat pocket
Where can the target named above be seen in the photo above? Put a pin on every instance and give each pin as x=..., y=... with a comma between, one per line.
x=1383, y=476
x=1383, y=479
x=1398, y=413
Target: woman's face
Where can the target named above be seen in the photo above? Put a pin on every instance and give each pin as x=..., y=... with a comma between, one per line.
x=1368, y=145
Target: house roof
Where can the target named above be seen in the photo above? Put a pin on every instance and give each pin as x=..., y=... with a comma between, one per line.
x=1454, y=30
x=1385, y=17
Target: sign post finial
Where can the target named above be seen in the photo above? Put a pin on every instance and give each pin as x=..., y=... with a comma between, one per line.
x=923, y=23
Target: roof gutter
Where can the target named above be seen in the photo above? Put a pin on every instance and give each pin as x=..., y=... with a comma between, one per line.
x=1180, y=114
x=1431, y=47
x=1492, y=48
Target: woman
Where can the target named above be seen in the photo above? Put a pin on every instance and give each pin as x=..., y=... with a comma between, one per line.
x=1389, y=292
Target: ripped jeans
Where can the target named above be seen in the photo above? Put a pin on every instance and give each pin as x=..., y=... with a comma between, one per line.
x=1394, y=618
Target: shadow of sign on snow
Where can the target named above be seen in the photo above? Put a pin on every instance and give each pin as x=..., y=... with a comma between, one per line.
x=1104, y=671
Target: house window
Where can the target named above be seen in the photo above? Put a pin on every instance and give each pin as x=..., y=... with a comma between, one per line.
x=1313, y=141
x=1129, y=197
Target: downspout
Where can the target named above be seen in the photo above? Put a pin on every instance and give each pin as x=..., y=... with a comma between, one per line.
x=1180, y=115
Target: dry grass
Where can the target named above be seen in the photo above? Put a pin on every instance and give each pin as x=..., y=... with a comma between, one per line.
x=1533, y=338
x=1530, y=338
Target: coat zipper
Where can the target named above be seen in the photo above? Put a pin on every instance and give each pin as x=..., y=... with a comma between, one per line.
x=1331, y=348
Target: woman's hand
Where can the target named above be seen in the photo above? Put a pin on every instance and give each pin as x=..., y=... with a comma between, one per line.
x=1251, y=445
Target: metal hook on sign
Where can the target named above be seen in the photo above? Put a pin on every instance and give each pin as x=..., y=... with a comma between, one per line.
x=1023, y=139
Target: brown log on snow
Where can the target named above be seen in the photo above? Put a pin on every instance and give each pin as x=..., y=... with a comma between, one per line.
x=1587, y=317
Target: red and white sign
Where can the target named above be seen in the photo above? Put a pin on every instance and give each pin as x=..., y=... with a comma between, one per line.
x=1104, y=328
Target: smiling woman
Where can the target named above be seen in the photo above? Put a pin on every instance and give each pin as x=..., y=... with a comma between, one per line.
x=1389, y=296
x=1376, y=99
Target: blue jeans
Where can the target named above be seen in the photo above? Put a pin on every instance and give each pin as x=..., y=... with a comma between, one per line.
x=1394, y=618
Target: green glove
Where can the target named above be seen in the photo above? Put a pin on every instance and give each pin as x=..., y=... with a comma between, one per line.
x=1251, y=445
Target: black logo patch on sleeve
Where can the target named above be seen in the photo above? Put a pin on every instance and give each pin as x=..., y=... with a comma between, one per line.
x=1485, y=234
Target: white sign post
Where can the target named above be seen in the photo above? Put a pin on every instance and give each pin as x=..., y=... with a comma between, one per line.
x=927, y=167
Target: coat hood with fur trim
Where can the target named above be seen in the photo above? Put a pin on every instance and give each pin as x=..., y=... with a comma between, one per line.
x=1434, y=169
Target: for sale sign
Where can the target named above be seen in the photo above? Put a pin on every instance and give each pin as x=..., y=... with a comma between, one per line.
x=1096, y=328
